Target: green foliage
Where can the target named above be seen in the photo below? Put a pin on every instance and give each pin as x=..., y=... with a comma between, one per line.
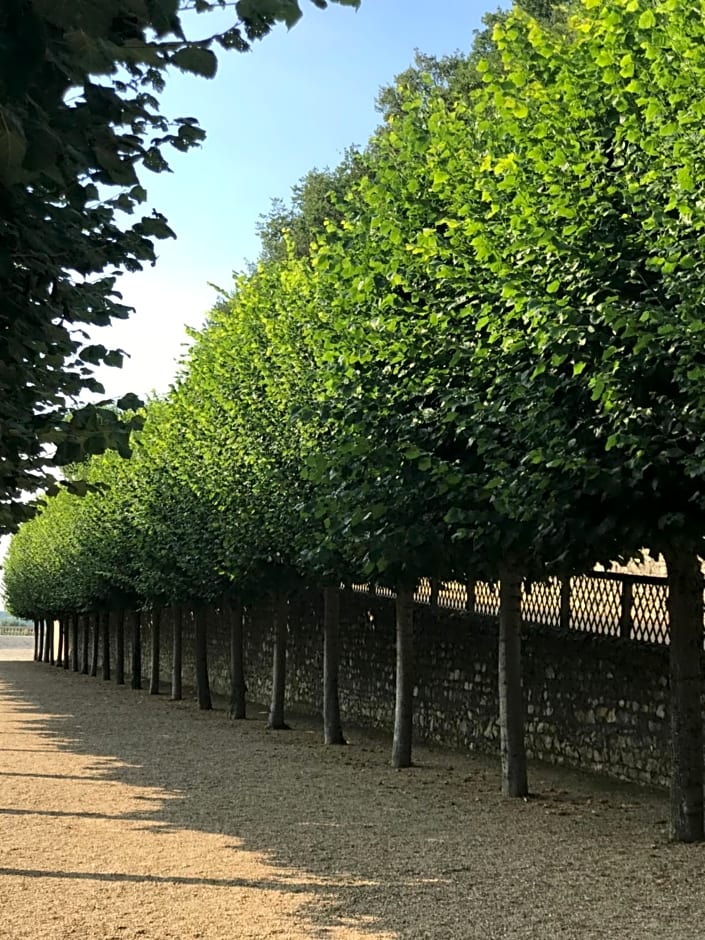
x=247, y=375
x=418, y=457
x=586, y=176
x=316, y=201
x=455, y=77
x=79, y=122
x=484, y=345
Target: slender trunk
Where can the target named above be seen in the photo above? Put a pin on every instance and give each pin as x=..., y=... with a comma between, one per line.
x=51, y=641
x=238, y=689
x=120, y=648
x=106, y=645
x=47, y=640
x=137, y=650
x=685, y=613
x=404, y=707
x=66, y=620
x=40, y=646
x=36, y=639
x=332, y=728
x=202, y=684
x=276, y=712
x=176, y=654
x=74, y=642
x=511, y=700
x=60, y=649
x=156, y=629
x=95, y=643
x=86, y=643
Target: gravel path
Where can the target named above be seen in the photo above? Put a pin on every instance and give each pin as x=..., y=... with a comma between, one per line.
x=129, y=816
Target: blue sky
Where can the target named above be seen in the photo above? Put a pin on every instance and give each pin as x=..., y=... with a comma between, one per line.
x=295, y=102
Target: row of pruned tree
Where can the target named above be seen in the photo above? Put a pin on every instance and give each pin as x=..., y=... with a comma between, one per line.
x=483, y=355
x=105, y=642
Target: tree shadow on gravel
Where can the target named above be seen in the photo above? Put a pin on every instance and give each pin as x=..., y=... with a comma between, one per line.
x=429, y=852
x=149, y=878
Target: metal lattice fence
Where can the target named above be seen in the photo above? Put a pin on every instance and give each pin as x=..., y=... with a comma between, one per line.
x=603, y=602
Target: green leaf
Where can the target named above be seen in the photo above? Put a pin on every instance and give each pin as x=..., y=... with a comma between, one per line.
x=93, y=354
x=114, y=358
x=685, y=179
x=129, y=402
x=286, y=11
x=197, y=60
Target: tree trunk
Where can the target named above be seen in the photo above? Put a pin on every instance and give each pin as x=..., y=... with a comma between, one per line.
x=202, y=684
x=95, y=644
x=36, y=639
x=332, y=728
x=106, y=645
x=74, y=642
x=51, y=641
x=176, y=654
x=47, y=640
x=40, y=644
x=156, y=630
x=136, y=682
x=238, y=689
x=685, y=613
x=276, y=711
x=404, y=707
x=60, y=650
x=120, y=648
x=65, y=628
x=511, y=700
x=86, y=643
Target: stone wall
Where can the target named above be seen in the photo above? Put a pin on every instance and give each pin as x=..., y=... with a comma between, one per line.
x=593, y=702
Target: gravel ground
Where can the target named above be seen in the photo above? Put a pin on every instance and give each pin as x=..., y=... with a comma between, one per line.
x=129, y=816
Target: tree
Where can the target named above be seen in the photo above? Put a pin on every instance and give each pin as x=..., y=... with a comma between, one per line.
x=455, y=77
x=79, y=119
x=317, y=199
x=589, y=177
x=398, y=469
x=246, y=374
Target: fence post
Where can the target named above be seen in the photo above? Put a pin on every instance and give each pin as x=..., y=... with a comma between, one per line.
x=625, y=614
x=565, y=604
x=470, y=599
x=433, y=596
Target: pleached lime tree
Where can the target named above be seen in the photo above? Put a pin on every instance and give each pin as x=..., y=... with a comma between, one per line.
x=400, y=468
x=41, y=561
x=591, y=173
x=246, y=375
x=177, y=538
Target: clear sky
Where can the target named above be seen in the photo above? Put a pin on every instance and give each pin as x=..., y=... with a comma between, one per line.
x=295, y=102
